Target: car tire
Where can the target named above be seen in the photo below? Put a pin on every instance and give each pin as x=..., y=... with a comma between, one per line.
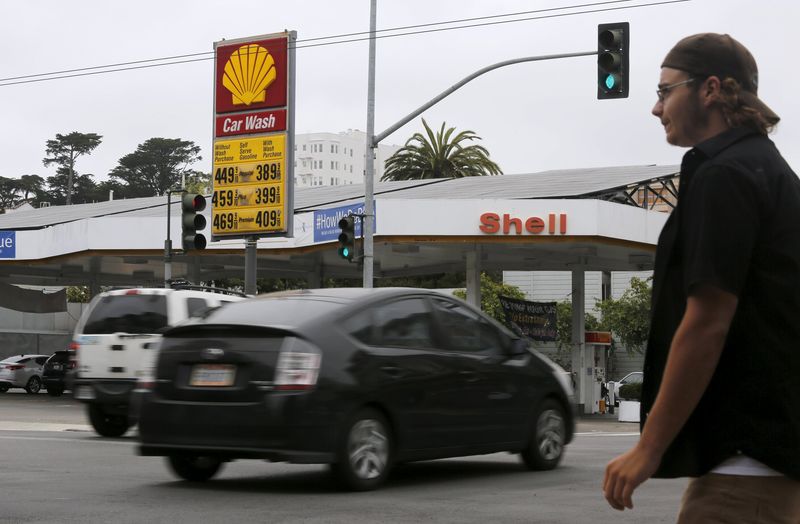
x=55, y=391
x=364, y=451
x=548, y=437
x=3, y=389
x=194, y=468
x=107, y=425
x=34, y=385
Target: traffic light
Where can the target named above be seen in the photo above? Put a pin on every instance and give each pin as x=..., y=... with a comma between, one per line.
x=347, y=238
x=612, y=60
x=193, y=221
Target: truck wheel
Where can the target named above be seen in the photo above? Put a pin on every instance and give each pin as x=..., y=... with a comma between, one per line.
x=34, y=385
x=194, y=468
x=546, y=446
x=107, y=425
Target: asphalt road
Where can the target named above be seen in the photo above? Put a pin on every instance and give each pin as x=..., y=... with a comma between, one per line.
x=53, y=468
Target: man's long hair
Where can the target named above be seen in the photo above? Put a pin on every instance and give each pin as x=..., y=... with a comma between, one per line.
x=737, y=114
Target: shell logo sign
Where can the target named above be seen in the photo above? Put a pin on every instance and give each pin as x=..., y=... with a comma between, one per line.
x=248, y=73
x=252, y=192
x=251, y=75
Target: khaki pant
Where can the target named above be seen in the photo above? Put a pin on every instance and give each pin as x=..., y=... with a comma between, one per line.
x=740, y=499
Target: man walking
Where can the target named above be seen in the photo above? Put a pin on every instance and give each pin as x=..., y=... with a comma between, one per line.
x=721, y=391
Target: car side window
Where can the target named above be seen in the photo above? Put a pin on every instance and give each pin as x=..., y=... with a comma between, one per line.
x=404, y=323
x=464, y=331
x=196, y=306
x=41, y=360
x=361, y=327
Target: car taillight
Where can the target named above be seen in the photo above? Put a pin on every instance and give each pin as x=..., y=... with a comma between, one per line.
x=72, y=351
x=15, y=367
x=147, y=379
x=298, y=365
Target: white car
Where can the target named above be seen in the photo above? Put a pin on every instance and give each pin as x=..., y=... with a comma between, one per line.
x=116, y=342
x=631, y=378
x=22, y=371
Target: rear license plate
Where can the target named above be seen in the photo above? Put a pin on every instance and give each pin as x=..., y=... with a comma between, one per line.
x=56, y=366
x=212, y=375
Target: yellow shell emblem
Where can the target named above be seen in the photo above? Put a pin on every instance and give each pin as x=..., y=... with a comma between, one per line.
x=248, y=73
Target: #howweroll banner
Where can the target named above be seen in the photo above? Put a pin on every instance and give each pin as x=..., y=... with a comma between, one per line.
x=536, y=320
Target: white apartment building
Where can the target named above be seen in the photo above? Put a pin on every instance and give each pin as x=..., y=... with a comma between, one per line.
x=335, y=159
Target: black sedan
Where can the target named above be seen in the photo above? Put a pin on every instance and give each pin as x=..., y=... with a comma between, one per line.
x=360, y=379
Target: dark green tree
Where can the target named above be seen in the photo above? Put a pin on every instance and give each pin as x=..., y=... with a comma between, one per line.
x=491, y=290
x=65, y=150
x=84, y=188
x=157, y=165
x=32, y=187
x=9, y=193
x=628, y=318
x=440, y=155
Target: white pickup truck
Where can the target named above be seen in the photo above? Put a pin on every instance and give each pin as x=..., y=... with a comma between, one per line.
x=116, y=341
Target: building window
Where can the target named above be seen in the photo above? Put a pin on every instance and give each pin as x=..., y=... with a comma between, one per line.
x=351, y=151
x=304, y=147
x=351, y=168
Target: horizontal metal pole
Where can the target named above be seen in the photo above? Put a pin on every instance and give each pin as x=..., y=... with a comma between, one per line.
x=377, y=138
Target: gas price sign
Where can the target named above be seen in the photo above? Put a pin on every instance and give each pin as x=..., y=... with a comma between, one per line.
x=250, y=186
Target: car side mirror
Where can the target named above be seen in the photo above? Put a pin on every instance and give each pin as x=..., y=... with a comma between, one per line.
x=519, y=346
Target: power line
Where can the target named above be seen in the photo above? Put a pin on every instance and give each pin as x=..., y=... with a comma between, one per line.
x=111, y=68
x=344, y=35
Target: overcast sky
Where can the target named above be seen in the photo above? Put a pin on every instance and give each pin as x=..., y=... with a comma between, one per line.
x=531, y=116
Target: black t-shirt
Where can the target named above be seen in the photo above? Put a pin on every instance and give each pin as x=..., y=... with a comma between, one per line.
x=736, y=227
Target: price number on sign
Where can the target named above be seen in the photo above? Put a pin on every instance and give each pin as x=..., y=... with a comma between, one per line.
x=224, y=198
x=267, y=195
x=248, y=173
x=245, y=196
x=225, y=222
x=268, y=219
x=268, y=171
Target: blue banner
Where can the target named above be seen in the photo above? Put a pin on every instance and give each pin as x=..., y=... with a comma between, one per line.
x=326, y=221
x=8, y=244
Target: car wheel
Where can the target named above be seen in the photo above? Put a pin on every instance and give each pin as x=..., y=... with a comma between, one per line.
x=105, y=424
x=546, y=447
x=3, y=389
x=34, y=385
x=363, y=455
x=55, y=391
x=194, y=468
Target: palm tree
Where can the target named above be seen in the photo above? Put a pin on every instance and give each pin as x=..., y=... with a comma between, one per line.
x=440, y=156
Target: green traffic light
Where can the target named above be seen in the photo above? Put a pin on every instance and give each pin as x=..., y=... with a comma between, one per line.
x=345, y=252
x=611, y=81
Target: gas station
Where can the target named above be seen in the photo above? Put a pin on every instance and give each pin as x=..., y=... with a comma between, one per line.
x=568, y=220
x=576, y=220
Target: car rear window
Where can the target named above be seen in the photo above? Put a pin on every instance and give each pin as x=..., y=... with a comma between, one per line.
x=58, y=356
x=283, y=311
x=127, y=314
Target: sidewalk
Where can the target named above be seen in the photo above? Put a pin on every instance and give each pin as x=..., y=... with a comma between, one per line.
x=606, y=423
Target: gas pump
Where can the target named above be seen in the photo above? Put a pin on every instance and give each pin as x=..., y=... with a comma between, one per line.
x=596, y=348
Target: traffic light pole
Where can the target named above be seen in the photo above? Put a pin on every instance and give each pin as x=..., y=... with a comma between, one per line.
x=373, y=141
x=168, y=241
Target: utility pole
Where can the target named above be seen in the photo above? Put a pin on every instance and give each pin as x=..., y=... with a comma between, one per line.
x=369, y=164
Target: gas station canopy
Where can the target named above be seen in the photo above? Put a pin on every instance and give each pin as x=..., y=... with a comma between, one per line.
x=591, y=219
